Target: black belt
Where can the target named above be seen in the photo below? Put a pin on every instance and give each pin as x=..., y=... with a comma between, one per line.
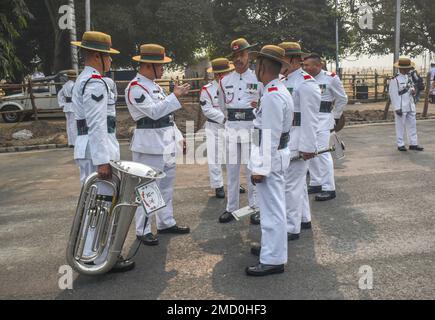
x=212, y=121
x=283, y=140
x=297, y=119
x=148, y=123
x=326, y=106
x=240, y=114
x=83, y=129
x=68, y=99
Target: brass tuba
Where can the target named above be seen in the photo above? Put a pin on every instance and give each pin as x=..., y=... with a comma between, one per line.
x=106, y=226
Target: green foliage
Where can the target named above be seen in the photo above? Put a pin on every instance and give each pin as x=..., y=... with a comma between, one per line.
x=13, y=19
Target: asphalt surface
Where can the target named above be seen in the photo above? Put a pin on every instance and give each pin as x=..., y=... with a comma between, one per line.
x=383, y=218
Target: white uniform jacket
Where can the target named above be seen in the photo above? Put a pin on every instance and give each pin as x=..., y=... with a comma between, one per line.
x=401, y=89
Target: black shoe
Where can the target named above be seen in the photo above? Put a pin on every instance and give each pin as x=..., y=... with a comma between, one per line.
x=261, y=270
x=256, y=250
x=292, y=236
x=175, y=230
x=416, y=148
x=255, y=218
x=242, y=190
x=123, y=266
x=226, y=217
x=326, y=196
x=403, y=148
x=220, y=193
x=306, y=225
x=149, y=239
x=314, y=189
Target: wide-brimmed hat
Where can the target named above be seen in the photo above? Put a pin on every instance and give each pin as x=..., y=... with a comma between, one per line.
x=404, y=63
x=292, y=49
x=220, y=65
x=152, y=53
x=96, y=41
x=271, y=52
x=240, y=45
x=71, y=73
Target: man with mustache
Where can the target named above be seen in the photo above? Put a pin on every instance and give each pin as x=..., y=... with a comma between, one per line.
x=238, y=92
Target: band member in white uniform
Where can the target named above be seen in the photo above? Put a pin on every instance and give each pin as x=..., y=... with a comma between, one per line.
x=402, y=92
x=270, y=159
x=156, y=135
x=96, y=143
x=238, y=94
x=214, y=126
x=64, y=98
x=303, y=138
x=334, y=100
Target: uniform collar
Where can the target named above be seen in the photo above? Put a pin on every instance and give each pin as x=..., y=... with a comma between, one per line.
x=242, y=74
x=144, y=79
x=273, y=83
x=91, y=70
x=294, y=73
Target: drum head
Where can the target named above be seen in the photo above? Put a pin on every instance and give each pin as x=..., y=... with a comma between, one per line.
x=138, y=169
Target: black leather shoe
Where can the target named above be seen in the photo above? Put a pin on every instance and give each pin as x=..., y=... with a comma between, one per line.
x=292, y=236
x=416, y=148
x=255, y=218
x=149, y=239
x=306, y=225
x=402, y=148
x=314, y=189
x=123, y=266
x=261, y=270
x=242, y=190
x=226, y=217
x=256, y=250
x=220, y=193
x=175, y=230
x=326, y=196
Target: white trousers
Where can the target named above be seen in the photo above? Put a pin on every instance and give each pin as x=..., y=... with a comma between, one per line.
x=86, y=169
x=406, y=122
x=296, y=196
x=236, y=155
x=165, y=216
x=271, y=199
x=322, y=167
x=71, y=128
x=215, y=153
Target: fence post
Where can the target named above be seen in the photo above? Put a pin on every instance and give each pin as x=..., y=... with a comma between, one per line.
x=354, y=86
x=376, y=85
x=426, y=100
x=32, y=100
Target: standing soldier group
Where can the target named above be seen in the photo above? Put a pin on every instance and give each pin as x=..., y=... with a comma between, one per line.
x=289, y=103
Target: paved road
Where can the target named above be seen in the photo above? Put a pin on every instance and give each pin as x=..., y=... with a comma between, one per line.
x=383, y=218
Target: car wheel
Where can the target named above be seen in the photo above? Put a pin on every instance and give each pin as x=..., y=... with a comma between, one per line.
x=11, y=117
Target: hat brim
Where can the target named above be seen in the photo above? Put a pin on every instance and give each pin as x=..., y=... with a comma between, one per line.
x=231, y=68
x=79, y=44
x=240, y=50
x=396, y=65
x=257, y=54
x=165, y=60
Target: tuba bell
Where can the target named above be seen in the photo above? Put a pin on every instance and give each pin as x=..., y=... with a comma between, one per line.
x=101, y=224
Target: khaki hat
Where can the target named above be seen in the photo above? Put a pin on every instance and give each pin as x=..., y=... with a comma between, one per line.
x=292, y=49
x=271, y=52
x=220, y=65
x=404, y=63
x=152, y=53
x=239, y=45
x=96, y=41
x=71, y=74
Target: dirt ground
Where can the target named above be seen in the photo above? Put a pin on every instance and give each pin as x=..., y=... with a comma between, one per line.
x=51, y=129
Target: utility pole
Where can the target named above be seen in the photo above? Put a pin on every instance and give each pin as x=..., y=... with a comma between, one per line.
x=73, y=37
x=397, y=41
x=337, y=49
x=88, y=15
